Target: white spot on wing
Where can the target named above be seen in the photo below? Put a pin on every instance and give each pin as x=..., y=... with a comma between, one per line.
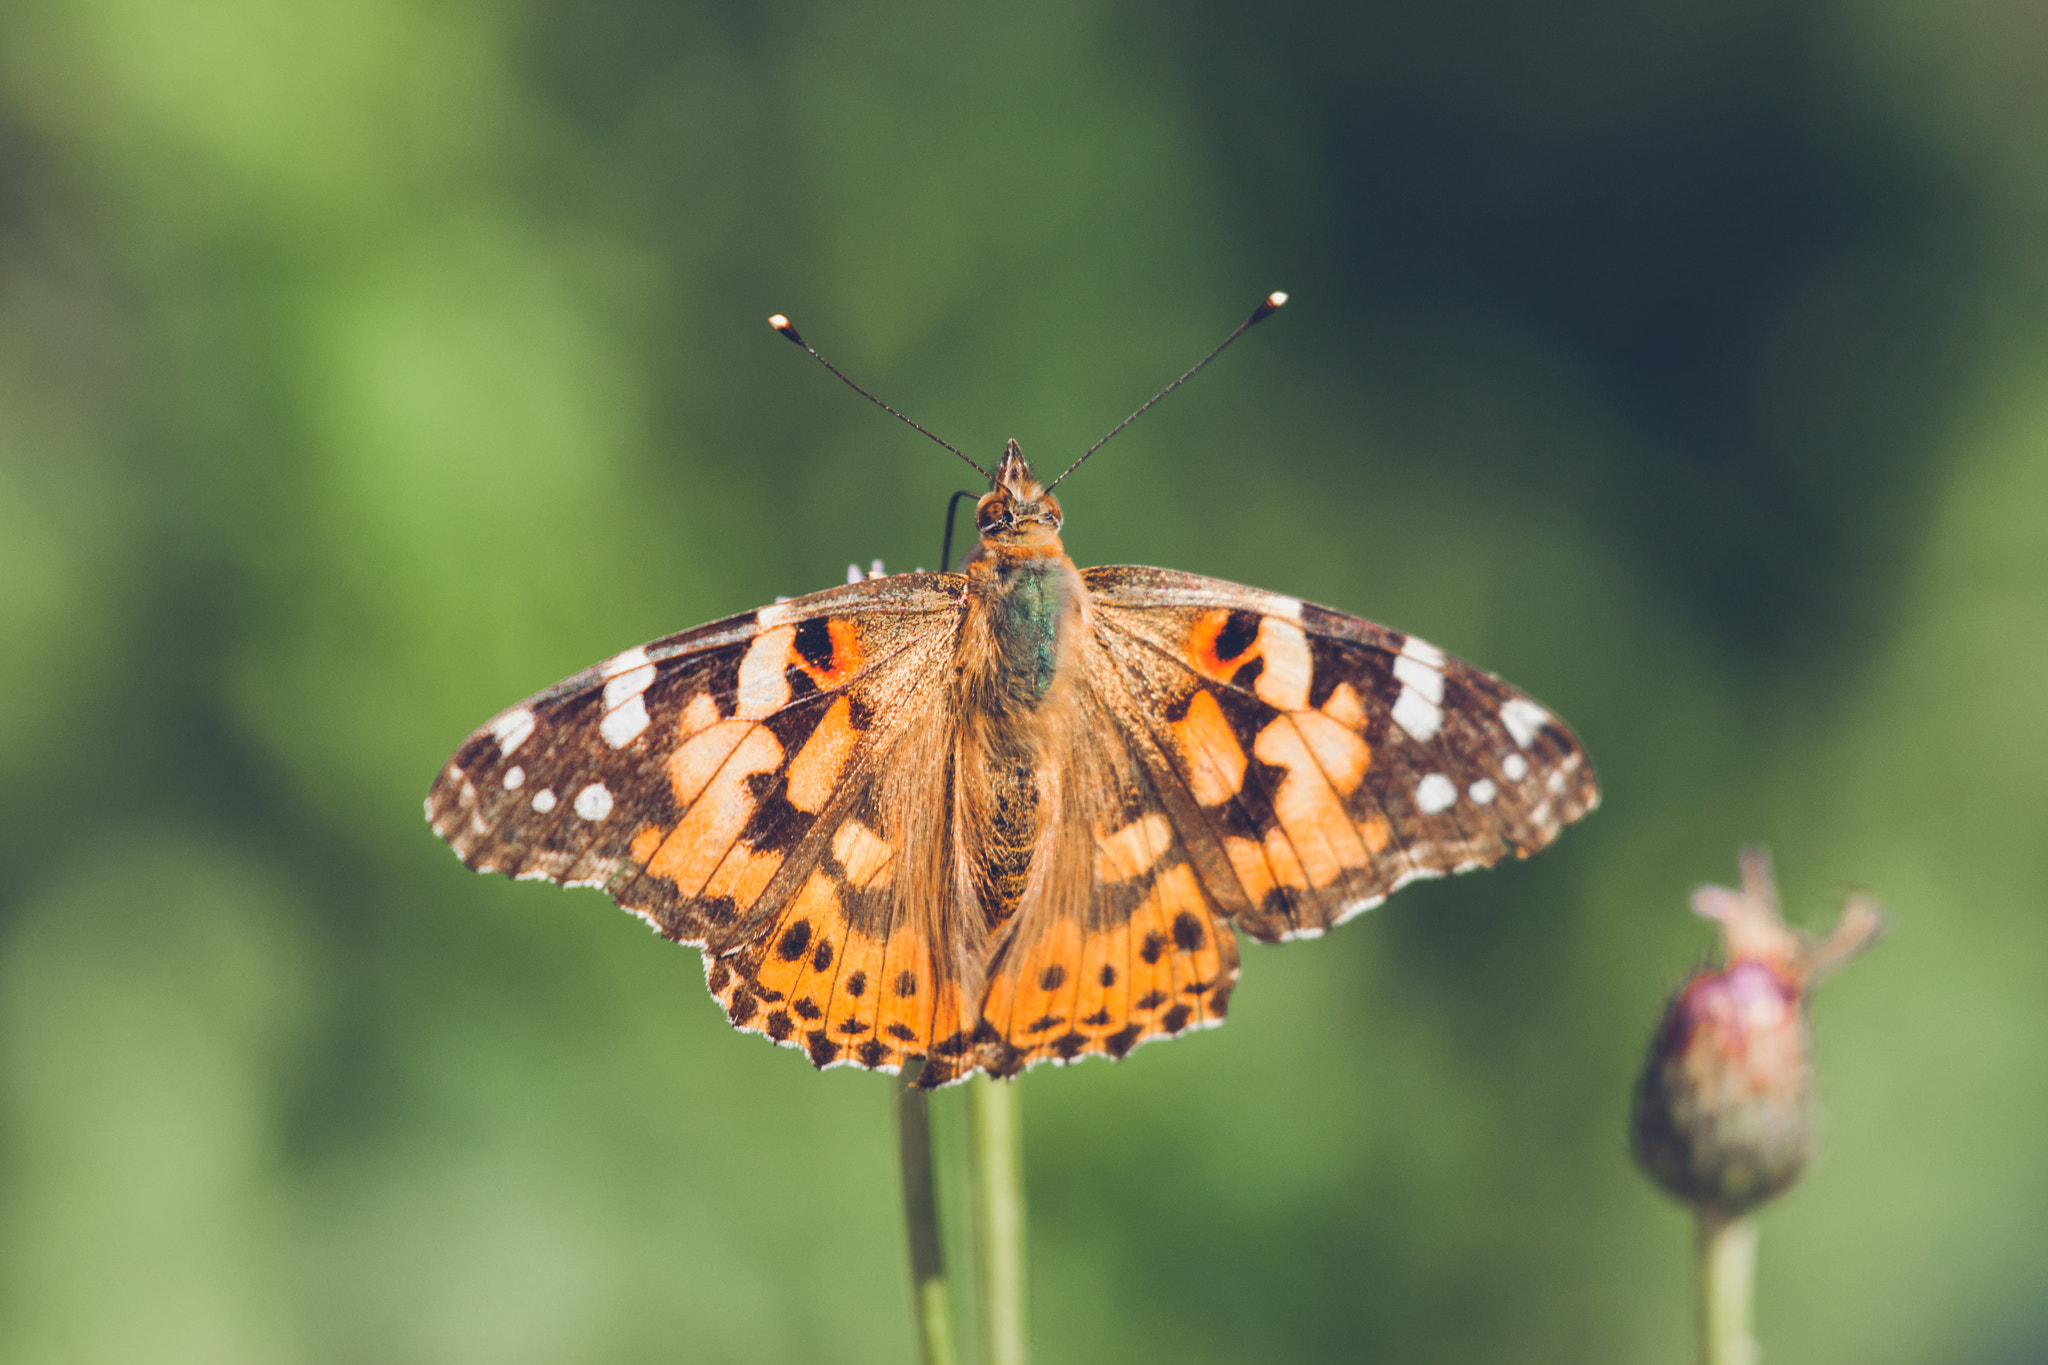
x=594, y=802
x=1423, y=652
x=1418, y=715
x=768, y=618
x=875, y=570
x=544, y=800
x=631, y=661
x=1514, y=767
x=623, y=725
x=1483, y=791
x=1523, y=719
x=1416, y=674
x=763, y=688
x=1289, y=607
x=1435, y=793
x=626, y=677
x=512, y=728
x=515, y=778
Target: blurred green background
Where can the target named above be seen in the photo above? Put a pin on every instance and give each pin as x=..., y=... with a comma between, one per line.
x=367, y=366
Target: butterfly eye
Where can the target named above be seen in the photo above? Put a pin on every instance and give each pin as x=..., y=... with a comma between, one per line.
x=992, y=514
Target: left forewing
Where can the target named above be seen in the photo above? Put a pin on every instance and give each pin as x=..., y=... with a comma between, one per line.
x=678, y=775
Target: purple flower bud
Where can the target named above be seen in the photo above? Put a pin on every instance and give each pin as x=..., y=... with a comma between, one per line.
x=1724, y=1110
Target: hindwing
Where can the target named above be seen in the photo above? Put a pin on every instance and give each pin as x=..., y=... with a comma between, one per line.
x=1116, y=939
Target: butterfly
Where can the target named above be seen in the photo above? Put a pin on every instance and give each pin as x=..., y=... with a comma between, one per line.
x=1012, y=814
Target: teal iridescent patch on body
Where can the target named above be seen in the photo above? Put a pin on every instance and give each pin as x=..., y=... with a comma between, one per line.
x=1026, y=619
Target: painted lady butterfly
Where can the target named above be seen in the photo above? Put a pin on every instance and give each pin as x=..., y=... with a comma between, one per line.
x=1010, y=814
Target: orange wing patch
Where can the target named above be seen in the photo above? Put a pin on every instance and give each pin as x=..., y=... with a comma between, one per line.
x=710, y=775
x=814, y=772
x=1223, y=645
x=827, y=650
x=1215, y=760
x=1101, y=990
x=822, y=982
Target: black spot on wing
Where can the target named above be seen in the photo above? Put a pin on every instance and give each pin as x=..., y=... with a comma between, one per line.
x=794, y=941
x=1239, y=632
x=478, y=752
x=717, y=910
x=1280, y=905
x=814, y=642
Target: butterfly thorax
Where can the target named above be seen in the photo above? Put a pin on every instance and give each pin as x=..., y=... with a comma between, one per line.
x=1025, y=616
x=1025, y=600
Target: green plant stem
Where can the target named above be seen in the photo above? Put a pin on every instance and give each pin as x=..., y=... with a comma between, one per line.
x=931, y=1304
x=1727, y=1269
x=999, y=1224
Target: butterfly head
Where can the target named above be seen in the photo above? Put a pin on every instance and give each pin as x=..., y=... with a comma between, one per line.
x=1017, y=512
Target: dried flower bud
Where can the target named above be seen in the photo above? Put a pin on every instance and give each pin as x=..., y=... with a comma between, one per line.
x=1724, y=1109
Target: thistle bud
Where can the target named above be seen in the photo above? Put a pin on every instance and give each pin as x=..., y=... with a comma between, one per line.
x=1724, y=1111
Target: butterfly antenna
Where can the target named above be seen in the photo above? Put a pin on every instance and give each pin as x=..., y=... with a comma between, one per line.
x=781, y=324
x=1268, y=306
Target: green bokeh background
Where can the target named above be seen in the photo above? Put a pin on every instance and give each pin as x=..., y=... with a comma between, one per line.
x=366, y=366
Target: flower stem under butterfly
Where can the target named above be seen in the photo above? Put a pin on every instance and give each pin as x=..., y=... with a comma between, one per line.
x=999, y=1218
x=931, y=1303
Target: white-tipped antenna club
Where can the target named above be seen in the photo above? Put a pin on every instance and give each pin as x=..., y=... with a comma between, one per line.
x=1268, y=306
x=782, y=325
